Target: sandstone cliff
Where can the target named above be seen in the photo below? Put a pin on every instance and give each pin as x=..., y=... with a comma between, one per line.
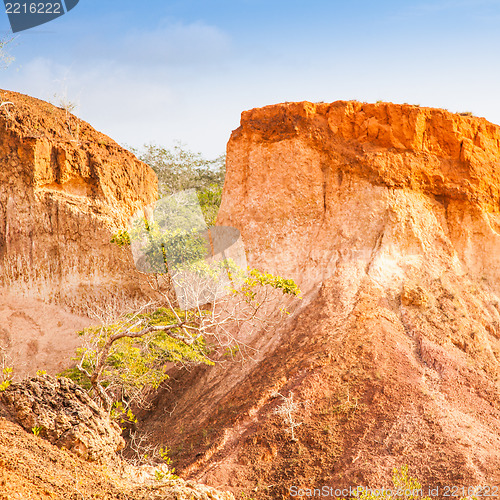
x=64, y=189
x=388, y=217
x=309, y=182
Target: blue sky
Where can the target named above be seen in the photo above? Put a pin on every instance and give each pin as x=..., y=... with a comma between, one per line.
x=161, y=71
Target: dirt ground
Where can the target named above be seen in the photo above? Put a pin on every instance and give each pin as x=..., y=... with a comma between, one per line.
x=374, y=389
x=33, y=469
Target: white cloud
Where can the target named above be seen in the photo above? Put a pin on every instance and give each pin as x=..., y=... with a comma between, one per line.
x=178, y=44
x=172, y=44
x=146, y=86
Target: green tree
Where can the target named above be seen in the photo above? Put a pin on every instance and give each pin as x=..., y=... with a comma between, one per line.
x=179, y=169
x=126, y=356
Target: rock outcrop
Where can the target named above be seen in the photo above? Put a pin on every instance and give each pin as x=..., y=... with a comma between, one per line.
x=64, y=189
x=315, y=185
x=30, y=467
x=388, y=217
x=62, y=413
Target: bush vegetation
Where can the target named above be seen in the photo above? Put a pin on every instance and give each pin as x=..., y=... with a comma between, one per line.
x=127, y=355
x=122, y=360
x=179, y=169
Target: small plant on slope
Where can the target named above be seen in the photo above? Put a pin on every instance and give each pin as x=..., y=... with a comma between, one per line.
x=288, y=411
x=404, y=487
x=6, y=371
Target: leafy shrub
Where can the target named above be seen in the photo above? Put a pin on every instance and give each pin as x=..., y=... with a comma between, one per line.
x=6, y=377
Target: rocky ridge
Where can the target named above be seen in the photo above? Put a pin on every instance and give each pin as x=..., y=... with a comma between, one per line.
x=68, y=450
x=387, y=216
x=63, y=413
x=65, y=189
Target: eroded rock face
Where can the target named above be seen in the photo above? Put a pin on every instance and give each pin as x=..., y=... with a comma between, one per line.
x=63, y=414
x=64, y=189
x=388, y=217
x=313, y=186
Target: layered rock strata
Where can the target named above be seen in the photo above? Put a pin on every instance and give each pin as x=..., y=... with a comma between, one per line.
x=64, y=189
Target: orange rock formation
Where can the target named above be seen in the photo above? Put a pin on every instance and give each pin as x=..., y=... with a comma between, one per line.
x=388, y=217
x=64, y=189
x=309, y=183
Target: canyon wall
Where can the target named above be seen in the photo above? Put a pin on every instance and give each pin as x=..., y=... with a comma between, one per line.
x=65, y=189
x=386, y=215
x=388, y=218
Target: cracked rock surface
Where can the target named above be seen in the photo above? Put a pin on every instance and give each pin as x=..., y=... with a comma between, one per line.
x=62, y=413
